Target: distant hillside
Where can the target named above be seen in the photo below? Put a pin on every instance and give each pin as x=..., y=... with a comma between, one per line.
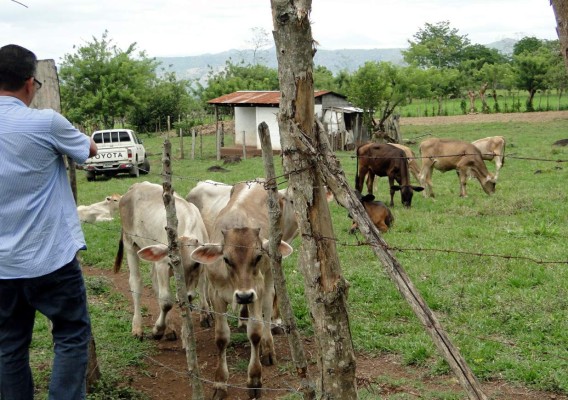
x=197, y=67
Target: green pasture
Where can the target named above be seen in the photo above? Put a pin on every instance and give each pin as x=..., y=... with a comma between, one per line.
x=507, y=102
x=494, y=269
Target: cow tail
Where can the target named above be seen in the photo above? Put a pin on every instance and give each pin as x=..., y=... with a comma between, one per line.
x=357, y=166
x=503, y=156
x=389, y=220
x=119, y=254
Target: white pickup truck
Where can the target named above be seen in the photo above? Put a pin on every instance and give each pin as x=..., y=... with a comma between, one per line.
x=119, y=151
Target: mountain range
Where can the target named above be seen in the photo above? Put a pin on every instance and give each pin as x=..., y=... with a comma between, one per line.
x=196, y=68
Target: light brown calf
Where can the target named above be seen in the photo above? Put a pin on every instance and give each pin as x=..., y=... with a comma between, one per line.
x=239, y=274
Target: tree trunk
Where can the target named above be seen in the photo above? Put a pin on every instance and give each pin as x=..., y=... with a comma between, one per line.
x=560, y=8
x=326, y=288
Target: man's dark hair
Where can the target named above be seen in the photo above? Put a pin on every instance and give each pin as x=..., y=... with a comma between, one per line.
x=17, y=64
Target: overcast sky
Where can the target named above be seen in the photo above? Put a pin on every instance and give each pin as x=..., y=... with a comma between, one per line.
x=51, y=28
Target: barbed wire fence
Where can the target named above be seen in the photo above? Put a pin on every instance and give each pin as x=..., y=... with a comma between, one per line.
x=358, y=242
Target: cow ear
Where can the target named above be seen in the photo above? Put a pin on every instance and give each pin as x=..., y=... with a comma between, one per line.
x=417, y=188
x=153, y=253
x=395, y=187
x=284, y=248
x=368, y=197
x=207, y=253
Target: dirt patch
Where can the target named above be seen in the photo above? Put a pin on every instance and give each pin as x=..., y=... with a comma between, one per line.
x=483, y=118
x=165, y=378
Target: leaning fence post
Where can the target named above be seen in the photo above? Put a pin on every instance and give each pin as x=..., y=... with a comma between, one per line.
x=181, y=289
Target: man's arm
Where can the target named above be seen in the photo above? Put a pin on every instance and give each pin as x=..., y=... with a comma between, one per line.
x=93, y=149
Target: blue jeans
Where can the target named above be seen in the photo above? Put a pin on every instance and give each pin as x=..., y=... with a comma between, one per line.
x=60, y=296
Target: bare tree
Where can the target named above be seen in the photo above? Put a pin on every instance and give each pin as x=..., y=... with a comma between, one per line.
x=260, y=40
x=326, y=288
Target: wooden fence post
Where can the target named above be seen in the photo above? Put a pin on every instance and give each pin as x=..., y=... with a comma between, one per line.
x=181, y=289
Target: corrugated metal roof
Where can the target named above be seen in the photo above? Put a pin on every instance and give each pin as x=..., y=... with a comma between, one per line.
x=250, y=97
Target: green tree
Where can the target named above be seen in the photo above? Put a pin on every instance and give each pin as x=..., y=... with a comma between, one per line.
x=236, y=77
x=436, y=45
x=101, y=83
x=167, y=97
x=366, y=91
x=532, y=60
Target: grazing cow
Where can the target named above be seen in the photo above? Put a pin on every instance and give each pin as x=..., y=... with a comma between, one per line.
x=412, y=164
x=101, y=211
x=385, y=160
x=143, y=218
x=380, y=214
x=239, y=273
x=448, y=154
x=492, y=147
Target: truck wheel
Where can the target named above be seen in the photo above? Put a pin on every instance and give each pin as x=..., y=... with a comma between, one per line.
x=135, y=171
x=90, y=176
x=145, y=166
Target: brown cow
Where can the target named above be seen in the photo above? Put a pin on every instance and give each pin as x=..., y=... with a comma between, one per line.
x=492, y=147
x=380, y=214
x=448, y=154
x=385, y=160
x=239, y=273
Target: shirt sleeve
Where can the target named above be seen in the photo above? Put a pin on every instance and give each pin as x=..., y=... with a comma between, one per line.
x=69, y=140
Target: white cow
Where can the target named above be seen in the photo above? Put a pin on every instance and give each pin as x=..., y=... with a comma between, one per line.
x=239, y=273
x=101, y=211
x=210, y=197
x=143, y=218
x=492, y=147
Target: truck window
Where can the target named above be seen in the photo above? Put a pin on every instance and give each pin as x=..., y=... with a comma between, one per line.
x=106, y=137
x=124, y=137
x=98, y=138
x=114, y=137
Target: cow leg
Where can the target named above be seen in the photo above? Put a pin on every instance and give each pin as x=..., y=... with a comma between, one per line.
x=222, y=338
x=162, y=289
x=363, y=171
x=135, y=282
x=498, y=165
x=258, y=331
x=370, y=182
x=205, y=317
x=462, y=175
x=426, y=177
x=276, y=328
x=392, y=191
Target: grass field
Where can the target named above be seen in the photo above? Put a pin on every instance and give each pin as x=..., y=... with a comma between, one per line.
x=493, y=268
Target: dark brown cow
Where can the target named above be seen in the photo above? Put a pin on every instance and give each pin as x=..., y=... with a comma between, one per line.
x=385, y=160
x=449, y=154
x=378, y=212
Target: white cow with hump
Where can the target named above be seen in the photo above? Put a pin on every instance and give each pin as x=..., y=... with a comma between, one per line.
x=210, y=197
x=239, y=273
x=143, y=218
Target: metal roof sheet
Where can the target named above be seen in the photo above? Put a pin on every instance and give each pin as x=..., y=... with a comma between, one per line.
x=250, y=97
